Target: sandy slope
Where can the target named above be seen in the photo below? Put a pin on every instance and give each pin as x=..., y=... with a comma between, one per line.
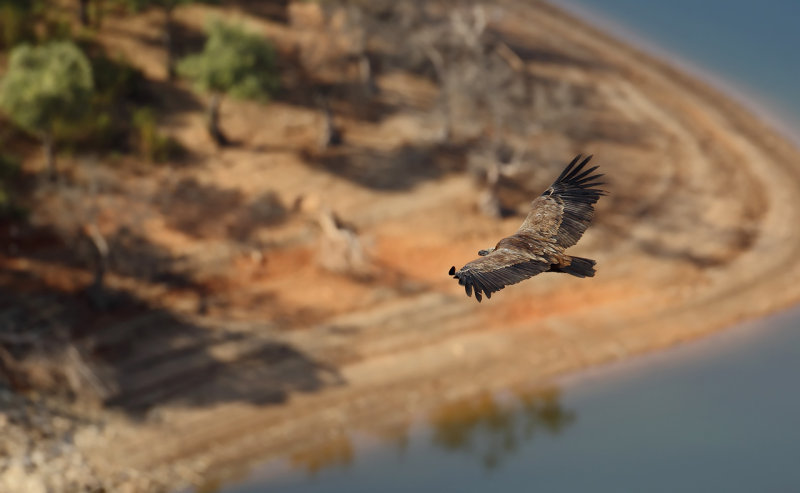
x=699, y=231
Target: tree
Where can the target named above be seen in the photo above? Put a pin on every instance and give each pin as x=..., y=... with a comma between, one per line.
x=46, y=87
x=16, y=22
x=233, y=62
x=83, y=12
x=9, y=171
x=90, y=12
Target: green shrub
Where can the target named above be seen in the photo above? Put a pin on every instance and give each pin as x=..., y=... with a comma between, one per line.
x=32, y=21
x=116, y=79
x=235, y=62
x=151, y=144
x=9, y=171
x=55, y=27
x=107, y=123
x=44, y=84
x=16, y=23
x=9, y=167
x=45, y=88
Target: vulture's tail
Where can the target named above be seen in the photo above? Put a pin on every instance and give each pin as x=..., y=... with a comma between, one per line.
x=580, y=267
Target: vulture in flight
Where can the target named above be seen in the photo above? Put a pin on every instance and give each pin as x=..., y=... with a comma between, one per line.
x=556, y=221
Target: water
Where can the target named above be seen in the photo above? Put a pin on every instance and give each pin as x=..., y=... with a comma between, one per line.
x=719, y=415
x=748, y=47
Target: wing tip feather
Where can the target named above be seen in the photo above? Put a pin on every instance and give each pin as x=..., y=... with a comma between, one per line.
x=576, y=178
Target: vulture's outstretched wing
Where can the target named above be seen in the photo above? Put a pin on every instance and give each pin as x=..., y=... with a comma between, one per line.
x=565, y=209
x=497, y=270
x=557, y=220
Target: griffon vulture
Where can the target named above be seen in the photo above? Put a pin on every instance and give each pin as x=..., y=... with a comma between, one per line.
x=556, y=221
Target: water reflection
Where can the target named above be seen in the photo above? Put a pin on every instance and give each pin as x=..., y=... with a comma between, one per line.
x=492, y=426
x=489, y=428
x=337, y=452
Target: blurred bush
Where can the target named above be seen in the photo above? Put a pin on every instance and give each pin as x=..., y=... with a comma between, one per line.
x=29, y=21
x=45, y=88
x=115, y=79
x=9, y=171
x=15, y=22
x=233, y=62
x=119, y=89
x=150, y=143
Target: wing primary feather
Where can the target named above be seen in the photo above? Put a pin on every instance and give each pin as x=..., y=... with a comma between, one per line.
x=583, y=181
x=585, y=172
x=576, y=170
x=494, y=278
x=588, y=186
x=568, y=168
x=479, y=283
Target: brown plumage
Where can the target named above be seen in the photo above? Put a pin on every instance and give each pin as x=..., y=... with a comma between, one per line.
x=556, y=221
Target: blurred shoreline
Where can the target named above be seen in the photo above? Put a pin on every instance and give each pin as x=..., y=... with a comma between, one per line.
x=747, y=97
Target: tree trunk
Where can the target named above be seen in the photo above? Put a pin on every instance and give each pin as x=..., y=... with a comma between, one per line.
x=331, y=135
x=83, y=12
x=367, y=77
x=97, y=11
x=100, y=253
x=168, y=43
x=48, y=145
x=213, y=120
